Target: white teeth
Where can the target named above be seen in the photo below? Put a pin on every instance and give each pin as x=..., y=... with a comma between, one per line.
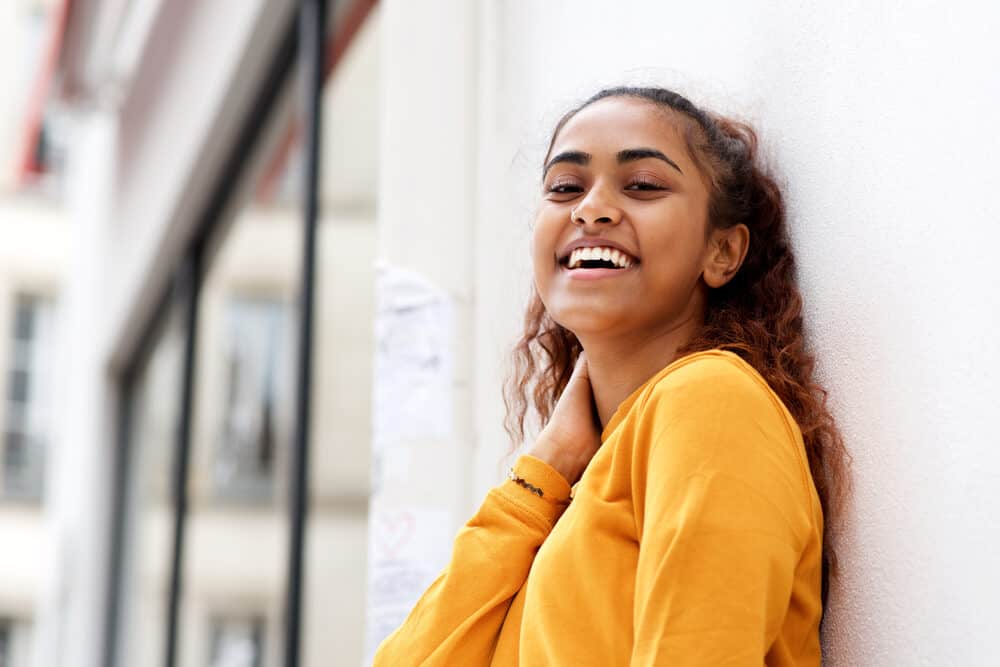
x=619, y=258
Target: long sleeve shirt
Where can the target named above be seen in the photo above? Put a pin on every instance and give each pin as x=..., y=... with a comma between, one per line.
x=694, y=537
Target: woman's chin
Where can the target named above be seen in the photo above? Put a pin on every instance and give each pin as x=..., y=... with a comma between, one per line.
x=589, y=321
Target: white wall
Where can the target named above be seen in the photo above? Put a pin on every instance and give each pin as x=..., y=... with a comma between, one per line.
x=879, y=115
x=427, y=189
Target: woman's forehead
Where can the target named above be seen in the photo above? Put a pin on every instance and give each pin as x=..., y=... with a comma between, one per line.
x=621, y=122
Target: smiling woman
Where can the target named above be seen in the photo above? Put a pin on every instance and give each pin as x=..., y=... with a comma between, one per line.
x=675, y=506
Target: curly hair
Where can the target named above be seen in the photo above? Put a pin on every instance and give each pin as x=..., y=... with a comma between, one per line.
x=757, y=314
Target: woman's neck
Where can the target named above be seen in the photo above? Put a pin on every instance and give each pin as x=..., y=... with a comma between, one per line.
x=620, y=366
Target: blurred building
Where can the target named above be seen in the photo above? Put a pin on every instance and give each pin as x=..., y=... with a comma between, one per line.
x=34, y=256
x=198, y=214
x=151, y=194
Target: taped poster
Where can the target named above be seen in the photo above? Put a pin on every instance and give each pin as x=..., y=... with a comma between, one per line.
x=414, y=341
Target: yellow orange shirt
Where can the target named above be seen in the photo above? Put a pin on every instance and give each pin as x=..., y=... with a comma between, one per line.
x=694, y=537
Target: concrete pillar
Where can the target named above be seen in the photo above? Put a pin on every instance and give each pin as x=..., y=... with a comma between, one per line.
x=71, y=614
x=425, y=228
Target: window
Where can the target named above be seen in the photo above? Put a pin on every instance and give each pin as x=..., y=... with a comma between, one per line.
x=237, y=525
x=154, y=405
x=255, y=385
x=237, y=643
x=233, y=411
x=26, y=416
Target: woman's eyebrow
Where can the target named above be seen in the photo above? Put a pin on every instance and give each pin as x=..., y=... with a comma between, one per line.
x=573, y=157
x=632, y=154
x=627, y=155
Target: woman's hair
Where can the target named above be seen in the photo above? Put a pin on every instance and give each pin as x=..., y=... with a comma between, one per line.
x=757, y=314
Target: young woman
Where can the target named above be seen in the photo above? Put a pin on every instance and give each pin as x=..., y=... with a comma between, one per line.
x=671, y=511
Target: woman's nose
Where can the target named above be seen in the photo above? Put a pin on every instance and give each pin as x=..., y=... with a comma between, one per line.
x=596, y=207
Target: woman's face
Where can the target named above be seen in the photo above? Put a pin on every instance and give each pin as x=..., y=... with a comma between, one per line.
x=619, y=178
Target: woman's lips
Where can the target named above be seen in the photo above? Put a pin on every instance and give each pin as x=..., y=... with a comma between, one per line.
x=595, y=274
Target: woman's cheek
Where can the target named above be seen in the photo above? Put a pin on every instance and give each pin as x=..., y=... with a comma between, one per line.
x=543, y=245
x=541, y=268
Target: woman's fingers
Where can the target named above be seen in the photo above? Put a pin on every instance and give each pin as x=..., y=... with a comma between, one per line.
x=580, y=378
x=571, y=435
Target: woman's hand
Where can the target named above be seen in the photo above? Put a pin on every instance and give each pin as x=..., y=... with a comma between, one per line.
x=572, y=435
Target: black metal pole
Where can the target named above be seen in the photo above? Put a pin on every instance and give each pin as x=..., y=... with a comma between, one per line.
x=189, y=282
x=312, y=36
x=119, y=496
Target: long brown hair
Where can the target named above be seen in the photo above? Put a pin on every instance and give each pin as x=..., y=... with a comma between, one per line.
x=757, y=314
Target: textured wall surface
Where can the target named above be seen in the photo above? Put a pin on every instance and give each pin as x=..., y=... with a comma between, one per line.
x=879, y=118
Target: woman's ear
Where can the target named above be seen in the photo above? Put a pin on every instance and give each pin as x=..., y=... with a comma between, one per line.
x=727, y=249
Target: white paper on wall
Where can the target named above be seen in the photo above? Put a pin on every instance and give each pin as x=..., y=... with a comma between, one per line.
x=413, y=359
x=407, y=551
x=412, y=403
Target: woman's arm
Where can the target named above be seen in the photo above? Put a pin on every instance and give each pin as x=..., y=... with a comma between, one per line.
x=723, y=515
x=457, y=620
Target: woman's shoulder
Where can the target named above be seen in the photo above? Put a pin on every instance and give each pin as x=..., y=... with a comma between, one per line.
x=712, y=415
x=714, y=384
x=716, y=394
x=711, y=370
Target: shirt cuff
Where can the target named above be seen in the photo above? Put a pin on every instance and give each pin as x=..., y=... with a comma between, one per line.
x=541, y=474
x=538, y=473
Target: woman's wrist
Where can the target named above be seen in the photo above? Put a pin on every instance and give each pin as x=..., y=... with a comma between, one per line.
x=557, y=457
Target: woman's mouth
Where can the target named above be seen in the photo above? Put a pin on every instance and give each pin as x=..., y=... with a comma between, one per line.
x=597, y=262
x=597, y=257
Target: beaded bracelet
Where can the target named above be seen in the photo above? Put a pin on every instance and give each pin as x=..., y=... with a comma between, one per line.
x=531, y=487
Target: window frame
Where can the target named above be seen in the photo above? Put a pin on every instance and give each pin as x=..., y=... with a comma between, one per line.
x=184, y=289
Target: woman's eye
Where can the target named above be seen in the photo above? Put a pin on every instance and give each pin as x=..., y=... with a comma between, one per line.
x=644, y=185
x=564, y=188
